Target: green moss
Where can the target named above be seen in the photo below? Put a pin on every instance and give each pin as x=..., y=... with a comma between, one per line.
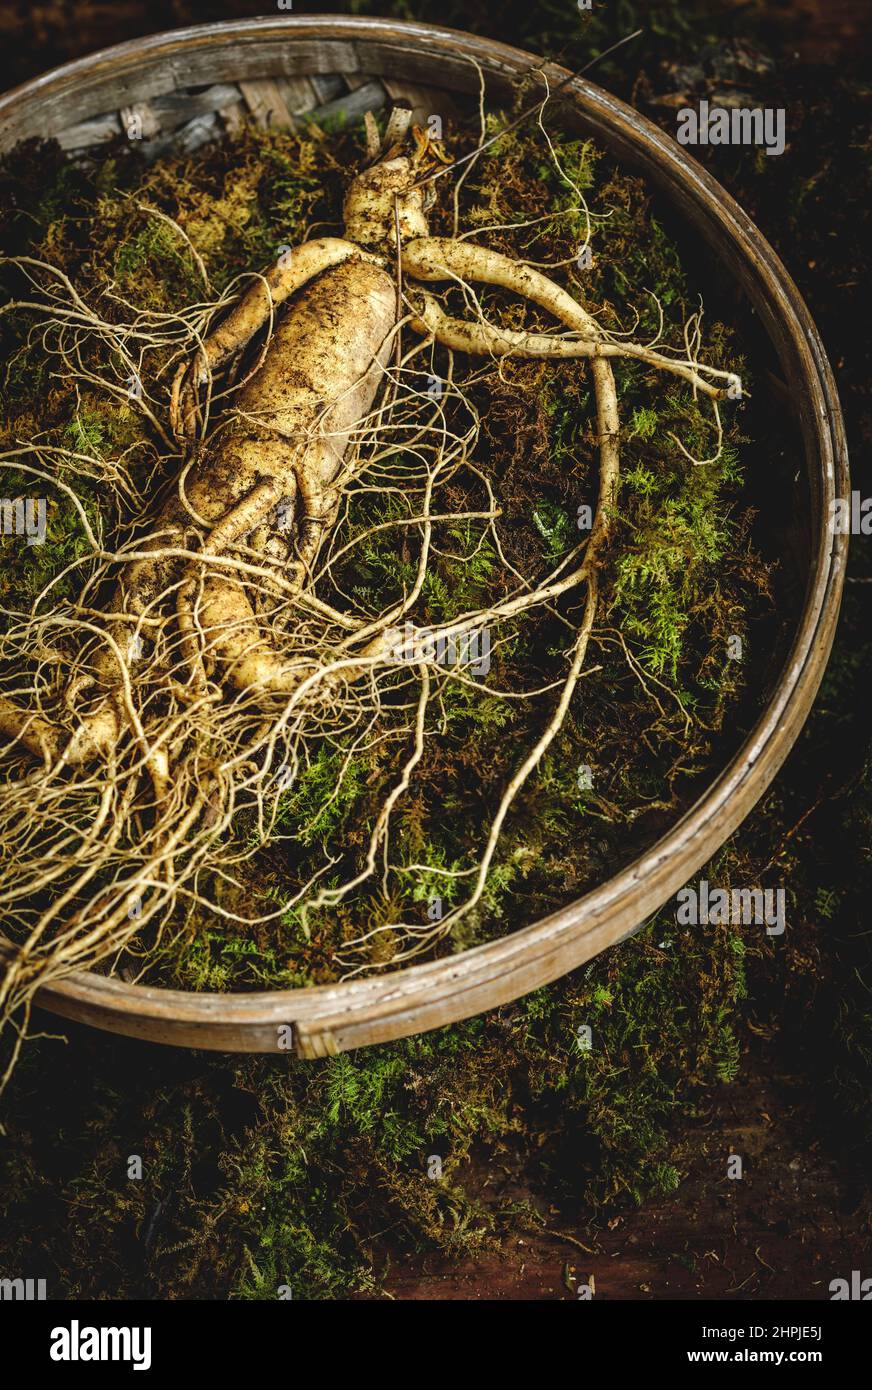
x=555, y=528
x=263, y=1173
x=324, y=795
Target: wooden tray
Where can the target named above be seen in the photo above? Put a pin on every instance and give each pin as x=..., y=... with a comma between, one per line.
x=191, y=84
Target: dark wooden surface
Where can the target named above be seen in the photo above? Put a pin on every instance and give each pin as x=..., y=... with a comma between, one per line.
x=793, y=1222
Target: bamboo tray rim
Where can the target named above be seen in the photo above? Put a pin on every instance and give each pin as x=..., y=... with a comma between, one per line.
x=331, y=1018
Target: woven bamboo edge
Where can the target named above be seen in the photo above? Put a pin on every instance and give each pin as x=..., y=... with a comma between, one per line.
x=328, y=1019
